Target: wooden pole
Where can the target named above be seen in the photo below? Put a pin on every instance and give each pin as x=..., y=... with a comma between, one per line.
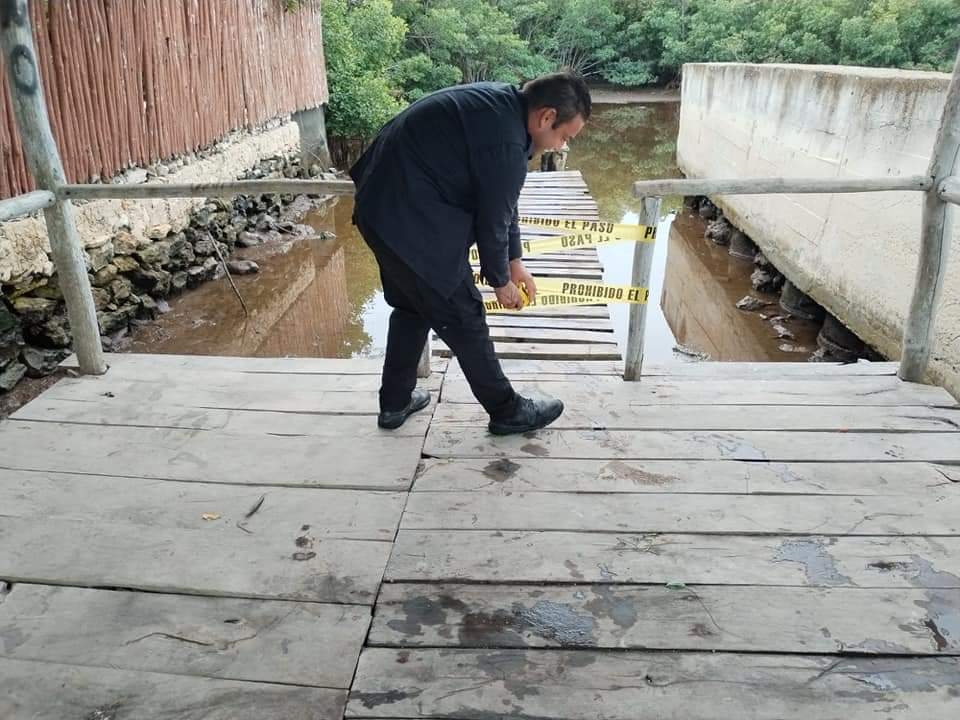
x=935, y=238
x=25, y=204
x=43, y=159
x=950, y=190
x=642, y=264
x=778, y=185
x=224, y=189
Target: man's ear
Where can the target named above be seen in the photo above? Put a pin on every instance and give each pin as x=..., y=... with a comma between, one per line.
x=548, y=118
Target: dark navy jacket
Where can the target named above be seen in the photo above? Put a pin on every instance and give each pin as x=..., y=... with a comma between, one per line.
x=446, y=173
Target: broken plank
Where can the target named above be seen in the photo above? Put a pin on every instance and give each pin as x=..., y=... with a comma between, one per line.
x=512, y=475
x=705, y=618
x=876, y=515
x=634, y=685
x=382, y=463
x=53, y=691
x=309, y=644
x=268, y=565
x=330, y=513
x=900, y=418
x=472, y=442
x=494, y=556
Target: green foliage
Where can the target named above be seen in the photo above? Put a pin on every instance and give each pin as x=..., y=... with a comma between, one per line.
x=451, y=41
x=381, y=54
x=361, y=42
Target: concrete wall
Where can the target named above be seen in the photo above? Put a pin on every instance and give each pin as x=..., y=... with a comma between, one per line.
x=855, y=254
x=24, y=248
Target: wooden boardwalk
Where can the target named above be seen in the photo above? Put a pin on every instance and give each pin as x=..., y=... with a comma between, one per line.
x=228, y=538
x=570, y=333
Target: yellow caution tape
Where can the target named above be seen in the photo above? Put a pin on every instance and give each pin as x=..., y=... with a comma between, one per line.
x=594, y=291
x=566, y=242
x=638, y=233
x=552, y=292
x=543, y=300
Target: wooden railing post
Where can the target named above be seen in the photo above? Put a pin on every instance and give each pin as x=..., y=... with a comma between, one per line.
x=642, y=264
x=935, y=238
x=43, y=159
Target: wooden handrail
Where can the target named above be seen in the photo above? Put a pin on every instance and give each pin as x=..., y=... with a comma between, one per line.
x=25, y=204
x=146, y=191
x=777, y=185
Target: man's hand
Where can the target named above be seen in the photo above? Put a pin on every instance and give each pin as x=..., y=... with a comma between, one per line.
x=509, y=296
x=521, y=276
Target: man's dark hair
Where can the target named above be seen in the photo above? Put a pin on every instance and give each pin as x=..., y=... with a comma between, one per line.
x=566, y=92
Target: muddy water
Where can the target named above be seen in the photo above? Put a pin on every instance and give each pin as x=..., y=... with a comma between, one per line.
x=321, y=297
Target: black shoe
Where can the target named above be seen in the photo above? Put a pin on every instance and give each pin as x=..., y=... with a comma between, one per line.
x=530, y=414
x=419, y=399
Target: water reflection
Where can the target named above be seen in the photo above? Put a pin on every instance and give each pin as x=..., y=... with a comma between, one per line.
x=702, y=283
x=697, y=283
x=312, y=298
x=322, y=298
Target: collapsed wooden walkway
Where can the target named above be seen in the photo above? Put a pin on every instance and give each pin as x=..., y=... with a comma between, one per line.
x=570, y=333
x=190, y=537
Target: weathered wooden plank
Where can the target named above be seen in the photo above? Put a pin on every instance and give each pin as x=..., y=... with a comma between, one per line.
x=577, y=685
x=331, y=513
x=51, y=691
x=331, y=402
x=510, y=476
x=576, y=311
x=383, y=463
x=472, y=442
x=266, y=565
x=557, y=199
x=537, y=264
x=595, y=275
x=553, y=194
x=516, y=367
x=569, y=557
x=551, y=335
x=517, y=320
x=547, y=351
x=575, y=255
x=309, y=366
x=101, y=410
x=535, y=370
x=686, y=513
x=235, y=381
x=729, y=417
x=665, y=391
x=309, y=644
x=769, y=370
x=705, y=618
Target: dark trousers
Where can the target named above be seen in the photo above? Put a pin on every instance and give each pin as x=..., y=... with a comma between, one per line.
x=459, y=320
